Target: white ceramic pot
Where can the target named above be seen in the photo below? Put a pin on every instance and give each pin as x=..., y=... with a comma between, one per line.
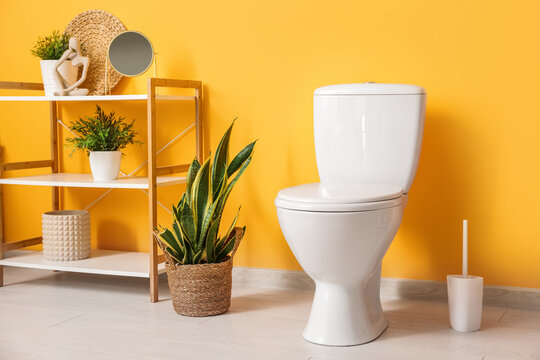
x=105, y=165
x=66, y=70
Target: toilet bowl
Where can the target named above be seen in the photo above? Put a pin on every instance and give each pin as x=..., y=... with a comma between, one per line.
x=367, y=141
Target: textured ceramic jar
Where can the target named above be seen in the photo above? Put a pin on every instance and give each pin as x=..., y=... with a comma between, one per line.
x=66, y=235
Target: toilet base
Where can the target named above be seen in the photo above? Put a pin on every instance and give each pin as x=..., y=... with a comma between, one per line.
x=344, y=315
x=351, y=343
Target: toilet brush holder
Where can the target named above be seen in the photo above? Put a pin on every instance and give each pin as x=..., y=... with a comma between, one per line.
x=465, y=296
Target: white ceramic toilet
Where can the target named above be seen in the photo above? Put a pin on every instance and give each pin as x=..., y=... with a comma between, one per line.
x=367, y=141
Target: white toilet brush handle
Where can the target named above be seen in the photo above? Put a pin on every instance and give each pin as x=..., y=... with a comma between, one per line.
x=465, y=246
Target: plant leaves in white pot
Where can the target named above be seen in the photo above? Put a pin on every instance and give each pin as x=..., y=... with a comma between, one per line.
x=105, y=165
x=103, y=136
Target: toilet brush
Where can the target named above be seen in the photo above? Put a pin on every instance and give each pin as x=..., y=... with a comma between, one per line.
x=465, y=295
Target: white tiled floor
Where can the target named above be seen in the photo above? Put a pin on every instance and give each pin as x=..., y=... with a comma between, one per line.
x=45, y=315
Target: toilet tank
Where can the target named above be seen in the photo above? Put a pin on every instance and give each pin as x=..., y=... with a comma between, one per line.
x=369, y=133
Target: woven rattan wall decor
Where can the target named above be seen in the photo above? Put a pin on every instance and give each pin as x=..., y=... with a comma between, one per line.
x=95, y=29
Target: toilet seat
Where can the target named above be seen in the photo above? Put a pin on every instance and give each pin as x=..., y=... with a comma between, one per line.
x=343, y=197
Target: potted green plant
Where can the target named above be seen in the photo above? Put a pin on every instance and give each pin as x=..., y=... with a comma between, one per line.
x=49, y=49
x=103, y=136
x=199, y=261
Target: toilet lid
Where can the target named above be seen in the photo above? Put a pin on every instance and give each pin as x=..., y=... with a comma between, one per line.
x=339, y=197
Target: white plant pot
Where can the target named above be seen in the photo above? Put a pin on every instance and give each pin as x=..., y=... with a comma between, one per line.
x=105, y=165
x=66, y=70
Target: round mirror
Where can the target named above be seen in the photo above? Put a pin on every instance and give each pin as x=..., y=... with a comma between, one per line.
x=131, y=53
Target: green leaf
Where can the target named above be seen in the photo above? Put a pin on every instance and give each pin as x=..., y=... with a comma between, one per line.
x=222, y=185
x=197, y=257
x=200, y=198
x=210, y=214
x=205, y=224
x=175, y=256
x=226, y=249
x=220, y=243
x=192, y=173
x=223, y=199
x=189, y=247
x=231, y=228
x=240, y=158
x=179, y=236
x=171, y=242
x=221, y=158
x=211, y=241
x=186, y=221
x=176, y=209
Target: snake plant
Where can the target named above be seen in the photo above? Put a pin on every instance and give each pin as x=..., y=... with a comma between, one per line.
x=194, y=237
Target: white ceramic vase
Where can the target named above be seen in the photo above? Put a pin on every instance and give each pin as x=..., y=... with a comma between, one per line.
x=66, y=70
x=105, y=165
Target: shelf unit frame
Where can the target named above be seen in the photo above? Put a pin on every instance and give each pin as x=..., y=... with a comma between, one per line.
x=153, y=170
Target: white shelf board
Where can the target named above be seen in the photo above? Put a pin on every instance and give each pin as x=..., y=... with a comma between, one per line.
x=86, y=180
x=140, y=97
x=105, y=262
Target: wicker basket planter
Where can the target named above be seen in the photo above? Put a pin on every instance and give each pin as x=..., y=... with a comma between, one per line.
x=203, y=289
x=66, y=235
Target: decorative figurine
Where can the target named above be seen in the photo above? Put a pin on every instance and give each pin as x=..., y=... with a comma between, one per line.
x=73, y=53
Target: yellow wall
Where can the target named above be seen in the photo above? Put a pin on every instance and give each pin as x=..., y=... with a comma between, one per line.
x=478, y=60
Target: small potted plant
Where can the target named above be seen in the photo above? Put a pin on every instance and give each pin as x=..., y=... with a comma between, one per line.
x=103, y=136
x=199, y=261
x=49, y=49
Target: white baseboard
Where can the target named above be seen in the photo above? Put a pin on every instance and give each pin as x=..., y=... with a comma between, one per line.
x=394, y=288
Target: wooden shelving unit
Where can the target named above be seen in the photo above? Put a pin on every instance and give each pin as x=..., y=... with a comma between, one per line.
x=108, y=262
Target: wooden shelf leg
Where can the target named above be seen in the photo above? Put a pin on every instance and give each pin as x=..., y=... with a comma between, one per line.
x=152, y=189
x=1, y=223
x=55, y=190
x=199, y=124
x=53, y=106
